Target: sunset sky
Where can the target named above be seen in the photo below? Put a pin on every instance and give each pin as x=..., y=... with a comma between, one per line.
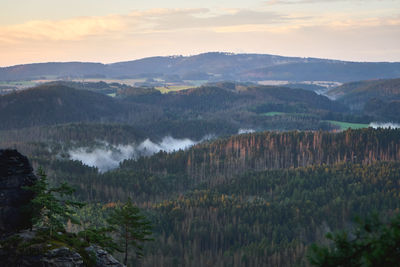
x=120, y=30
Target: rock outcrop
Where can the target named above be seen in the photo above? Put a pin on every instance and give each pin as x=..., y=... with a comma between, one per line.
x=62, y=257
x=15, y=173
x=103, y=258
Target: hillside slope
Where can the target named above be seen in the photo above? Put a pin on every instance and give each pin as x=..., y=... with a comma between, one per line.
x=377, y=98
x=46, y=105
x=220, y=108
x=362, y=91
x=217, y=161
x=244, y=200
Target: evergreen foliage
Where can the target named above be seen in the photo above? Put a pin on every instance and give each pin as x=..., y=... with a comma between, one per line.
x=131, y=227
x=371, y=243
x=250, y=200
x=51, y=211
x=48, y=210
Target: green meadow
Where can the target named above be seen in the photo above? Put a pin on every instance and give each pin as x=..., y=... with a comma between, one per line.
x=347, y=125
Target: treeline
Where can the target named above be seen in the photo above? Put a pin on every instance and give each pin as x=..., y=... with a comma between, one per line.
x=83, y=134
x=213, y=162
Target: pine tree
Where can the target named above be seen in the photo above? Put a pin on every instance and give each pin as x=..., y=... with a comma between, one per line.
x=49, y=211
x=372, y=243
x=131, y=226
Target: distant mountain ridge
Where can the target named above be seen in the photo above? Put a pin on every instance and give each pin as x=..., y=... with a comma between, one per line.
x=213, y=66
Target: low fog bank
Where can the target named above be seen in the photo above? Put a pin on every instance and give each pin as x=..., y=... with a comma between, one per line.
x=376, y=125
x=245, y=131
x=108, y=157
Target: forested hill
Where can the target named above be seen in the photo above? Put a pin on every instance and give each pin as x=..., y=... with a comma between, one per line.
x=236, y=201
x=220, y=204
x=327, y=71
x=269, y=150
x=52, y=104
x=214, y=66
x=379, y=98
x=220, y=108
x=359, y=93
x=227, y=95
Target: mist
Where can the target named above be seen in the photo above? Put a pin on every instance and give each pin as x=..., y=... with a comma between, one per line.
x=392, y=125
x=107, y=156
x=245, y=131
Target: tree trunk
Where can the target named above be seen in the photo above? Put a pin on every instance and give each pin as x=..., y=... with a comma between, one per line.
x=126, y=245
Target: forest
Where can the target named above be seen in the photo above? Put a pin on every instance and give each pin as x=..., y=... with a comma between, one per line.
x=250, y=200
x=258, y=198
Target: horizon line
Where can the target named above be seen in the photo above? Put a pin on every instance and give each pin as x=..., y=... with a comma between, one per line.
x=192, y=55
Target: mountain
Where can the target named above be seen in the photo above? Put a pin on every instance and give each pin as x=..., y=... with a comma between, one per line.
x=214, y=66
x=53, y=104
x=52, y=69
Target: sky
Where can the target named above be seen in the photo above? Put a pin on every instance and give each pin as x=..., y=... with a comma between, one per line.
x=120, y=30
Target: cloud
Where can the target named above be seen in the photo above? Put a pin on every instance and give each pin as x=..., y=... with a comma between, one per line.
x=107, y=157
x=137, y=22
x=156, y=21
x=245, y=131
x=321, y=32
x=168, y=144
x=103, y=158
x=297, y=2
x=227, y=18
x=70, y=29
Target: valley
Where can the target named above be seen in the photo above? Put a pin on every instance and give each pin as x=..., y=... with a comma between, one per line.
x=244, y=173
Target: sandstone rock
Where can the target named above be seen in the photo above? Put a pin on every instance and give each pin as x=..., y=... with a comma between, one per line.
x=15, y=173
x=103, y=258
x=62, y=257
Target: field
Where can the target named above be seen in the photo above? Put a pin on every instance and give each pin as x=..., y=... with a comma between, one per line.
x=18, y=84
x=347, y=125
x=172, y=88
x=273, y=113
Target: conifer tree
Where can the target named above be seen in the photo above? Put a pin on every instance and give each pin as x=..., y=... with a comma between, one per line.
x=372, y=243
x=131, y=227
x=49, y=211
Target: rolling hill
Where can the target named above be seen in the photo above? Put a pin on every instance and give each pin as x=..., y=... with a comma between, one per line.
x=53, y=104
x=213, y=66
x=219, y=108
x=377, y=98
